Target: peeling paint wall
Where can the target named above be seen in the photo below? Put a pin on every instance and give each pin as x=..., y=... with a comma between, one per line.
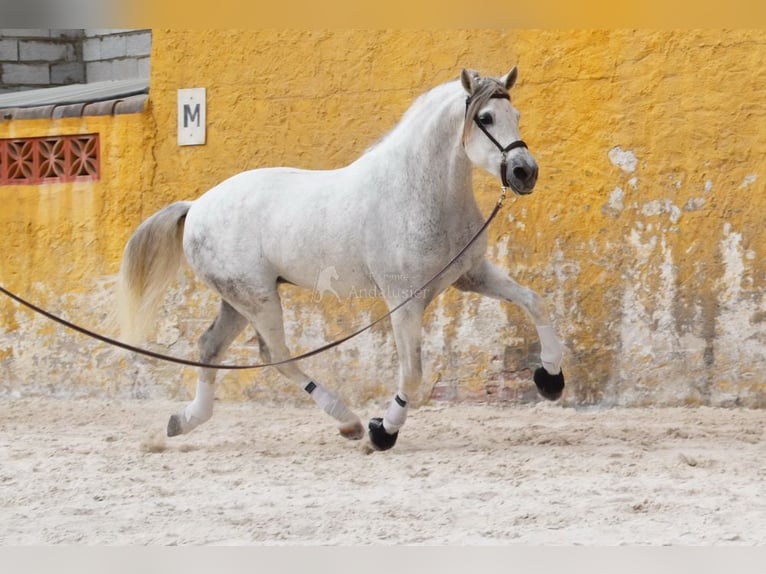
x=60, y=245
x=645, y=232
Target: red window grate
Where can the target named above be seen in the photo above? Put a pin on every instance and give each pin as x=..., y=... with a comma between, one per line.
x=53, y=159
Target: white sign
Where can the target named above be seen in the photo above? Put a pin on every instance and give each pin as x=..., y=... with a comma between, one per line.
x=191, y=116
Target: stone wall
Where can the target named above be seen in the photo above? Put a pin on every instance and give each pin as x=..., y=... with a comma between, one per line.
x=116, y=54
x=32, y=59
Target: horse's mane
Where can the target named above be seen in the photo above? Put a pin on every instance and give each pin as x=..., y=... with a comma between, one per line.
x=425, y=100
x=484, y=90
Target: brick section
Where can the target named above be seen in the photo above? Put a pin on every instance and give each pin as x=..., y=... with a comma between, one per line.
x=53, y=159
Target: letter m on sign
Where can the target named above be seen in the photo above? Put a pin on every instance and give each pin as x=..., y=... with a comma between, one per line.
x=191, y=116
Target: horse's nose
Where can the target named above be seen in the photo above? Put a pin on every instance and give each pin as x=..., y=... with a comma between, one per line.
x=526, y=174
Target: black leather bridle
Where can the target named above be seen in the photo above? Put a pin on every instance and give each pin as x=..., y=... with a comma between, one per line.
x=503, y=150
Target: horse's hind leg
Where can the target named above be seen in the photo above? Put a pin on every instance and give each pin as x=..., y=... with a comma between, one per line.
x=212, y=345
x=488, y=279
x=266, y=317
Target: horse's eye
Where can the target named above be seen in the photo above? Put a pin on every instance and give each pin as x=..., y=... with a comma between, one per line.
x=486, y=119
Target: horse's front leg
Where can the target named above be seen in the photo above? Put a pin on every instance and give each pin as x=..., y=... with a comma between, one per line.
x=407, y=324
x=488, y=279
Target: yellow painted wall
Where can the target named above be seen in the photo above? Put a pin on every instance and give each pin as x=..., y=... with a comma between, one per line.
x=60, y=244
x=645, y=231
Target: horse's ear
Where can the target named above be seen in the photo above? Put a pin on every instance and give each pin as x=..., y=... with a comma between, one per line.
x=468, y=79
x=510, y=78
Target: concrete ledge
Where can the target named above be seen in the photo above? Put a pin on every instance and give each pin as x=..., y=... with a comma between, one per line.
x=67, y=111
x=99, y=98
x=131, y=105
x=99, y=108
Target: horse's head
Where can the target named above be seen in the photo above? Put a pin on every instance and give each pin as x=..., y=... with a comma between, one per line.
x=496, y=145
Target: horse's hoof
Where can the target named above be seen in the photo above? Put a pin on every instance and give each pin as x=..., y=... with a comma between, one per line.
x=379, y=438
x=174, y=426
x=549, y=386
x=353, y=431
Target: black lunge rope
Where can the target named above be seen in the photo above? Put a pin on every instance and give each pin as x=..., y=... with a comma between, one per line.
x=323, y=348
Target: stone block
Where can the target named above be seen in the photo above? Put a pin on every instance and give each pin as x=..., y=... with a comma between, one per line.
x=91, y=49
x=40, y=51
x=139, y=44
x=113, y=47
x=125, y=69
x=29, y=74
x=98, y=71
x=68, y=73
x=9, y=50
x=144, y=68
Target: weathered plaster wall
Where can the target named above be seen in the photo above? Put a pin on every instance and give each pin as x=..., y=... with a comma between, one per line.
x=645, y=232
x=61, y=242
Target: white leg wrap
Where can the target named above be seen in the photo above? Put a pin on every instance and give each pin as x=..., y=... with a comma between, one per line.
x=396, y=414
x=329, y=402
x=201, y=408
x=551, y=349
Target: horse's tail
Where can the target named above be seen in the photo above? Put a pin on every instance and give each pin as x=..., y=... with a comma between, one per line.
x=150, y=262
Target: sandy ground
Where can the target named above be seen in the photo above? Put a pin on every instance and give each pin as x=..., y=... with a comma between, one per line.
x=100, y=472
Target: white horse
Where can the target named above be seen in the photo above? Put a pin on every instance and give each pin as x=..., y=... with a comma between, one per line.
x=387, y=222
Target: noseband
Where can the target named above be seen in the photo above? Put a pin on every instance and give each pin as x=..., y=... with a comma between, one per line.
x=503, y=150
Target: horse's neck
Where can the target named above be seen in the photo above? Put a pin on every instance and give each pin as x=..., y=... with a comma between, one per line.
x=422, y=156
